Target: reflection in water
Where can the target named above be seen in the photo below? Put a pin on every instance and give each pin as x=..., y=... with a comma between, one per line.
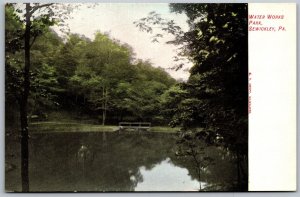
x=165, y=176
x=127, y=162
x=84, y=159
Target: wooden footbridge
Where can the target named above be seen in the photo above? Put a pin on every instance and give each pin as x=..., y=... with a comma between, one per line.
x=138, y=126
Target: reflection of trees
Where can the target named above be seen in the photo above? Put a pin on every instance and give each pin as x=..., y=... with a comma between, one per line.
x=135, y=178
x=115, y=167
x=129, y=152
x=190, y=146
x=219, y=173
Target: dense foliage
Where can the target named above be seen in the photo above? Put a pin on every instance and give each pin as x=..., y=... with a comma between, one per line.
x=212, y=104
x=96, y=78
x=217, y=44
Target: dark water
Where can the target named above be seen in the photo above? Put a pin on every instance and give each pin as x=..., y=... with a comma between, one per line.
x=121, y=162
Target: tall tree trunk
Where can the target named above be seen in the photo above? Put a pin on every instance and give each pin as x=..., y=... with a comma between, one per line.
x=104, y=105
x=23, y=106
x=103, y=111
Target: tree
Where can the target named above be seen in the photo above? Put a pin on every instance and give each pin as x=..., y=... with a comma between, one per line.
x=111, y=82
x=24, y=100
x=69, y=57
x=34, y=25
x=215, y=104
x=106, y=60
x=218, y=46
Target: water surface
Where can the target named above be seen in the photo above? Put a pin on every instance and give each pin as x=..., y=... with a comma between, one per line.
x=119, y=162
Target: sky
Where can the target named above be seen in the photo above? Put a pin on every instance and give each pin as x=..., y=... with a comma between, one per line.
x=118, y=18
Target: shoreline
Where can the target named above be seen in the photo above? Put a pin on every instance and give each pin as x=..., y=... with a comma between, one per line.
x=57, y=126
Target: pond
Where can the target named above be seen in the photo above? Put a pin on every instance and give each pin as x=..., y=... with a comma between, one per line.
x=121, y=162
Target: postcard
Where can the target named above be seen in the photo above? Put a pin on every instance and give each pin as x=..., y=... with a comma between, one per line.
x=125, y=97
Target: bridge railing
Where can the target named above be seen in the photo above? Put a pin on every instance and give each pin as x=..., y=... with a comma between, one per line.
x=134, y=125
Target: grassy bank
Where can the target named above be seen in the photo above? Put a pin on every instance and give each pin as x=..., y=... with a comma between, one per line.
x=165, y=129
x=57, y=126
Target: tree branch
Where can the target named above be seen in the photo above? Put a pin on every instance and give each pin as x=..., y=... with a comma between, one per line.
x=35, y=8
x=34, y=38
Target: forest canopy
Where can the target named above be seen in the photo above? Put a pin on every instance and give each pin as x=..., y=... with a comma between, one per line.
x=99, y=79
